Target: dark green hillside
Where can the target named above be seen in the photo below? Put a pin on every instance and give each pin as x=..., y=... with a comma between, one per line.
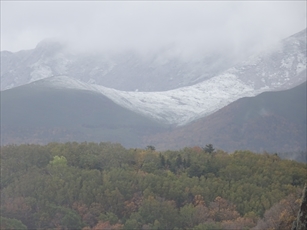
x=271, y=121
x=38, y=114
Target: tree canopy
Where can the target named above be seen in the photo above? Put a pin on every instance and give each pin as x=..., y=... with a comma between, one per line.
x=105, y=186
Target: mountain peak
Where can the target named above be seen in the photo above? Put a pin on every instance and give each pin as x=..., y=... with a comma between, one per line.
x=51, y=44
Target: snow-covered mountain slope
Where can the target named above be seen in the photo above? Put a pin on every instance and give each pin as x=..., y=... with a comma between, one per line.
x=279, y=68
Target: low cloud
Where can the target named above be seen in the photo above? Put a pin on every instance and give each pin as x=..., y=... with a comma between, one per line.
x=185, y=29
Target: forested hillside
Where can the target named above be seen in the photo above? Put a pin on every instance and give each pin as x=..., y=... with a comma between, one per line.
x=106, y=186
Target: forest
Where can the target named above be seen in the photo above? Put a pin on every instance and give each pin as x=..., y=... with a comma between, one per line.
x=106, y=186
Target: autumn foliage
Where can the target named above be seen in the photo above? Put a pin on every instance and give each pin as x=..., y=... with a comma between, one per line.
x=105, y=186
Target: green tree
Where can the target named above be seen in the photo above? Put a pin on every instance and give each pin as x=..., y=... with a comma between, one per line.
x=162, y=160
x=131, y=224
x=150, y=147
x=209, y=148
x=58, y=162
x=7, y=223
x=179, y=161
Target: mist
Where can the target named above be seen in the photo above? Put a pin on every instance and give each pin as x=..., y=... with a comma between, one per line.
x=175, y=29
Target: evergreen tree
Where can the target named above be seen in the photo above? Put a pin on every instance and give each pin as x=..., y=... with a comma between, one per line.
x=209, y=148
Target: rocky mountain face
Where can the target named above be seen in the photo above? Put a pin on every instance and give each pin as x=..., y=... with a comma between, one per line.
x=128, y=70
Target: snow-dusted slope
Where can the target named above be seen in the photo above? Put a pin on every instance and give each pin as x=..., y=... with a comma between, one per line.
x=176, y=107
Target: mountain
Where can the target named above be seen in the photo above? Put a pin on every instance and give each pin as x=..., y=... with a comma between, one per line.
x=39, y=113
x=50, y=94
x=281, y=67
x=271, y=121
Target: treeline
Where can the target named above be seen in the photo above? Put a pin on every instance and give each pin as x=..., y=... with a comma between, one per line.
x=105, y=186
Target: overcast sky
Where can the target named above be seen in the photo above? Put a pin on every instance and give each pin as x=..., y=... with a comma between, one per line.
x=188, y=27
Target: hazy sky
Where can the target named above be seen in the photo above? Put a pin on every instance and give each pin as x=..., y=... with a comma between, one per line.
x=188, y=27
